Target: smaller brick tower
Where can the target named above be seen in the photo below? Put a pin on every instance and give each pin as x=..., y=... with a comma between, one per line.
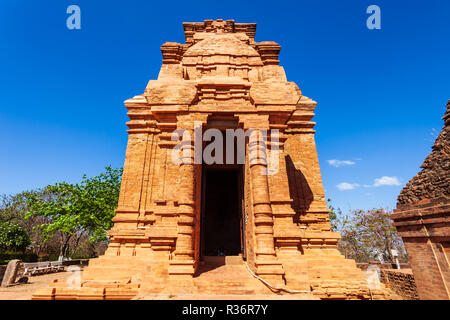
x=422, y=219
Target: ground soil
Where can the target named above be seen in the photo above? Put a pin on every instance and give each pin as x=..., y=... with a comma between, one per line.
x=24, y=291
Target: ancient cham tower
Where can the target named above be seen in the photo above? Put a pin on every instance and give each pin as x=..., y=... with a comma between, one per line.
x=177, y=223
x=422, y=219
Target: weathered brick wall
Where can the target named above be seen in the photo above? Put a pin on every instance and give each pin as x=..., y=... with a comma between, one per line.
x=401, y=282
x=427, y=268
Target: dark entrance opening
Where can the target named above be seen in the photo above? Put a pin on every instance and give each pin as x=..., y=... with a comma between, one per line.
x=222, y=225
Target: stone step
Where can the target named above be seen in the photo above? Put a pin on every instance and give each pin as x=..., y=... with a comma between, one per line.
x=222, y=260
x=230, y=291
x=227, y=281
x=215, y=275
x=227, y=275
x=224, y=271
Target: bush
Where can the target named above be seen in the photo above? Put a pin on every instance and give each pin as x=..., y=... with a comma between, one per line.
x=24, y=257
x=48, y=257
x=13, y=237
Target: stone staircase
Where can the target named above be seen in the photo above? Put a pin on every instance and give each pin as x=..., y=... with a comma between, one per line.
x=227, y=275
x=221, y=278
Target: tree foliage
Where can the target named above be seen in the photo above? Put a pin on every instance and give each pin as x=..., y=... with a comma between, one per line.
x=13, y=237
x=73, y=210
x=12, y=207
x=366, y=234
x=333, y=215
x=97, y=200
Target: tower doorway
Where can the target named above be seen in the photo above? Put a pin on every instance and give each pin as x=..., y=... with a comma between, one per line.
x=222, y=226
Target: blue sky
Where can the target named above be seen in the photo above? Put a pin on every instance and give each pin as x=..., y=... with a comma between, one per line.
x=380, y=93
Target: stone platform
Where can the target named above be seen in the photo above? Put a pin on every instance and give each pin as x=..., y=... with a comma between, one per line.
x=217, y=278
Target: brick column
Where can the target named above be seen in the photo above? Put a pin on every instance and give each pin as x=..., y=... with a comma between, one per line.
x=185, y=258
x=266, y=263
x=184, y=255
x=261, y=202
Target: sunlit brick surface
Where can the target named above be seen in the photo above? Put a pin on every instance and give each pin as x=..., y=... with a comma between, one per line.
x=220, y=74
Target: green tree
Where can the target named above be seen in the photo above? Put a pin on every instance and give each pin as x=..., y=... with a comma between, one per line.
x=73, y=210
x=58, y=204
x=97, y=201
x=13, y=237
x=334, y=215
x=12, y=207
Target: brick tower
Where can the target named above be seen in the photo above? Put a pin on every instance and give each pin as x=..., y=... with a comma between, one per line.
x=177, y=223
x=422, y=219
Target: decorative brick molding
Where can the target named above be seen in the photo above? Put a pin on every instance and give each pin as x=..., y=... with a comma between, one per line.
x=220, y=76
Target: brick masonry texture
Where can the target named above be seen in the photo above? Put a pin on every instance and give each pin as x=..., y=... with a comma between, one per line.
x=401, y=282
x=434, y=179
x=219, y=75
x=422, y=218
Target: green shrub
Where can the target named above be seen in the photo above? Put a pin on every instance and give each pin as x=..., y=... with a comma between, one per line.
x=25, y=257
x=13, y=237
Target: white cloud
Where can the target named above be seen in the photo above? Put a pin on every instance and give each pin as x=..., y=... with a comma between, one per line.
x=379, y=182
x=386, y=181
x=338, y=163
x=347, y=186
